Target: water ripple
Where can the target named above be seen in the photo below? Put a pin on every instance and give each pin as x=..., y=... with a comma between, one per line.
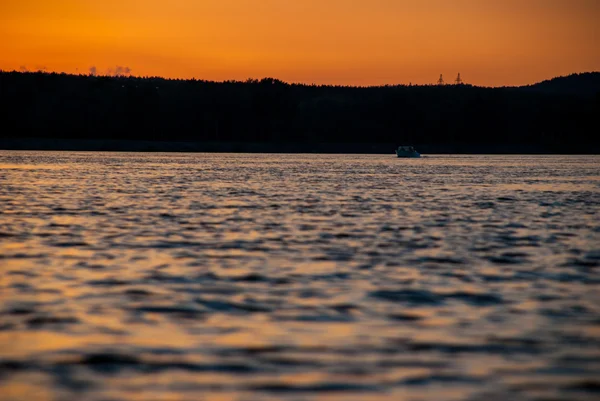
x=268, y=277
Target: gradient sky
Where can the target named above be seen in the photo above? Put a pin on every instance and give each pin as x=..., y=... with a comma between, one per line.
x=357, y=42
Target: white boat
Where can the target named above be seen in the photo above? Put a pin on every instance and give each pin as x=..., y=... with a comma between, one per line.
x=407, y=151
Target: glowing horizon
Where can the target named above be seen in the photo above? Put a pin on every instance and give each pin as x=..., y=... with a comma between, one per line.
x=336, y=42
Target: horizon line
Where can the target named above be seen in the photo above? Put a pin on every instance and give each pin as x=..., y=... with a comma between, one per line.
x=257, y=80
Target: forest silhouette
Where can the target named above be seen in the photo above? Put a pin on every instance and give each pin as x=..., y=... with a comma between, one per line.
x=555, y=116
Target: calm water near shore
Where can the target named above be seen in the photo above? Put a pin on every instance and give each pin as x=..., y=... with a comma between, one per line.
x=153, y=276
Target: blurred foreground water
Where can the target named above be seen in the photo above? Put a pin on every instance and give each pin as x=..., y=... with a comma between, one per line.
x=139, y=276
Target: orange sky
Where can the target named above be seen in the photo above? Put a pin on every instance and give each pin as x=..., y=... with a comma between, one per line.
x=357, y=42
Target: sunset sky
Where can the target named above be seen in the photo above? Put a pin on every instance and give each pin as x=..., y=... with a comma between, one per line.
x=357, y=42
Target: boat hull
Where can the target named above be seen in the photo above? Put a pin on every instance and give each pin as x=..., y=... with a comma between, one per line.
x=408, y=155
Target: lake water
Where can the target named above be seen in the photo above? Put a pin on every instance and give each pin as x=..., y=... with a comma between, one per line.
x=140, y=276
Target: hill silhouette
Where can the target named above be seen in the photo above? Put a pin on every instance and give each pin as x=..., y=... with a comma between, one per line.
x=584, y=84
x=61, y=111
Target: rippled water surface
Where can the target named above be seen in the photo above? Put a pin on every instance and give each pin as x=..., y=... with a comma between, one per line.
x=255, y=277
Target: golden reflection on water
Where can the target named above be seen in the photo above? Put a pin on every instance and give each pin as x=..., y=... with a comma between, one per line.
x=22, y=166
x=154, y=276
x=23, y=344
x=30, y=387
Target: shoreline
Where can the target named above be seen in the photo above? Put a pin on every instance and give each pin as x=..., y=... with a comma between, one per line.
x=115, y=145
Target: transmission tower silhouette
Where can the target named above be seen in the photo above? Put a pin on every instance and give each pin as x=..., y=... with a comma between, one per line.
x=458, y=80
x=441, y=80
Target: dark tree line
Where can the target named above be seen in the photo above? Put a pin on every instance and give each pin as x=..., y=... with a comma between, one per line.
x=561, y=114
